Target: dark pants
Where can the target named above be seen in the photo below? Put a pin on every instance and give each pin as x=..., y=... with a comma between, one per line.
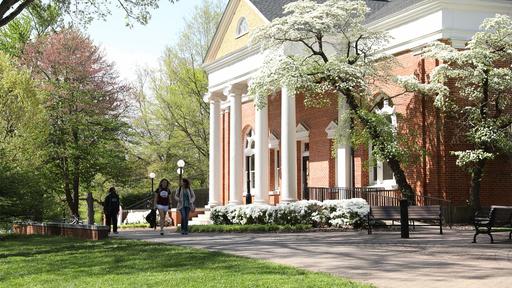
x=184, y=218
x=111, y=219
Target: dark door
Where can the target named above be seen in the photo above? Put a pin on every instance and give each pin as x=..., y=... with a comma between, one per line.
x=305, y=177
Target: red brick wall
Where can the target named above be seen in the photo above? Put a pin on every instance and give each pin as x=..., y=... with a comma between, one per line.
x=431, y=169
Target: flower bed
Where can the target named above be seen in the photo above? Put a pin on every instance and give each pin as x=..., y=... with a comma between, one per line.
x=333, y=213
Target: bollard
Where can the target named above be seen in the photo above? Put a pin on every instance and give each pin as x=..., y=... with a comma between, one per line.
x=90, y=209
x=404, y=218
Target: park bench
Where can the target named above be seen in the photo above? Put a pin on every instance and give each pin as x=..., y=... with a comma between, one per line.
x=430, y=213
x=498, y=220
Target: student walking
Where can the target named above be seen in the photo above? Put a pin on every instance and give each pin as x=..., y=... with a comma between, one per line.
x=161, y=201
x=111, y=209
x=185, y=197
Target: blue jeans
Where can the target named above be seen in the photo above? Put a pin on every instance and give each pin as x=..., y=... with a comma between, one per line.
x=184, y=219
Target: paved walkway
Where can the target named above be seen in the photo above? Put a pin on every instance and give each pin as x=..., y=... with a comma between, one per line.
x=426, y=260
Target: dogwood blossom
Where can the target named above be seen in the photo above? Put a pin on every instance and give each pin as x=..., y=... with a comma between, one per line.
x=478, y=95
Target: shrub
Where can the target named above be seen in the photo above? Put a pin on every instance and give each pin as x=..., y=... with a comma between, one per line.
x=333, y=213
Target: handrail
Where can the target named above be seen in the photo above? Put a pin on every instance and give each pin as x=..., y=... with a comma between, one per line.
x=140, y=202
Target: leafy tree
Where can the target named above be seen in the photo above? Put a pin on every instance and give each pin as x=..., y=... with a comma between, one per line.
x=25, y=191
x=175, y=124
x=84, y=11
x=325, y=49
x=478, y=95
x=38, y=20
x=85, y=107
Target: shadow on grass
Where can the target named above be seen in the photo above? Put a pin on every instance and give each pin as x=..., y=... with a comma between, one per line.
x=70, y=257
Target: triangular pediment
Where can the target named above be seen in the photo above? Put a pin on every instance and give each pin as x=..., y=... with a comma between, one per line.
x=226, y=39
x=302, y=132
x=331, y=129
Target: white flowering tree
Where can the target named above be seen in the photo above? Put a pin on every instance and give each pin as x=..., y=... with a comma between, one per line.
x=324, y=49
x=478, y=96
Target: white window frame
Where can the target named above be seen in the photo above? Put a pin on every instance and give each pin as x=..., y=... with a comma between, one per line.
x=249, y=152
x=239, y=32
x=277, y=169
x=389, y=183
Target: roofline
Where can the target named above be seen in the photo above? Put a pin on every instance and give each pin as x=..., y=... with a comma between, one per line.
x=228, y=12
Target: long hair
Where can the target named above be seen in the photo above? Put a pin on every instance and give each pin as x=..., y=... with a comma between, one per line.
x=186, y=183
x=160, y=185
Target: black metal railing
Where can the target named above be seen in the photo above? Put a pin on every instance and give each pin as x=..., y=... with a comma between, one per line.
x=378, y=197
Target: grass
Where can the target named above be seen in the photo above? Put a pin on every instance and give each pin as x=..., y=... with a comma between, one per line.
x=249, y=228
x=35, y=261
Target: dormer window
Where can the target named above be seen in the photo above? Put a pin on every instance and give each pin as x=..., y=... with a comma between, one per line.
x=242, y=28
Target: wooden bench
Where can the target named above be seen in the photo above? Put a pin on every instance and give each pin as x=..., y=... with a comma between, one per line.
x=416, y=213
x=498, y=220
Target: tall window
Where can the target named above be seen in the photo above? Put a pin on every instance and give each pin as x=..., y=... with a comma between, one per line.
x=250, y=172
x=277, y=169
x=243, y=27
x=381, y=174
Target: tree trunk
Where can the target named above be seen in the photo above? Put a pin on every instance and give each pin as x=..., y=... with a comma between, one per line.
x=476, y=179
x=375, y=134
x=401, y=181
x=76, y=177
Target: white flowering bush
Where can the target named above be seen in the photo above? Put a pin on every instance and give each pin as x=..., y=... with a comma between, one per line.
x=136, y=217
x=350, y=213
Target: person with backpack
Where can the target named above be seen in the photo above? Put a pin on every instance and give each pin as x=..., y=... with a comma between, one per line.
x=185, y=197
x=162, y=201
x=111, y=209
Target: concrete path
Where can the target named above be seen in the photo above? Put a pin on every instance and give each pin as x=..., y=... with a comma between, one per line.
x=426, y=260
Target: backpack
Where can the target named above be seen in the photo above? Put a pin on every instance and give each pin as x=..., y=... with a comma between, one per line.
x=151, y=218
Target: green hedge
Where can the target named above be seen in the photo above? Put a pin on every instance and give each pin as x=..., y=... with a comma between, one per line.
x=249, y=228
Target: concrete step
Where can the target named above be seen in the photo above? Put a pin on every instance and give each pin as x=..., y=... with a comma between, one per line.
x=201, y=219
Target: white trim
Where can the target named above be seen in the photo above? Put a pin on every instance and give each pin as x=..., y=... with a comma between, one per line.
x=331, y=130
x=239, y=33
x=273, y=141
x=302, y=133
x=226, y=19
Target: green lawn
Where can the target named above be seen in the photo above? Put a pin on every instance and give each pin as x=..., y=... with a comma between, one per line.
x=64, y=262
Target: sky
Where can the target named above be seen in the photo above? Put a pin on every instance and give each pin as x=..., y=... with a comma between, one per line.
x=140, y=46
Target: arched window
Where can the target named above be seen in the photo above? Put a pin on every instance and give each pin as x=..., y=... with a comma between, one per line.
x=243, y=27
x=380, y=173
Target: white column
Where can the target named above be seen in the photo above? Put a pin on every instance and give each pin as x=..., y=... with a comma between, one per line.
x=288, y=147
x=235, y=147
x=215, y=154
x=262, y=155
x=343, y=150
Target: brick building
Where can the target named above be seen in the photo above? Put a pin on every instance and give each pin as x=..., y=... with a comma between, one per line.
x=279, y=151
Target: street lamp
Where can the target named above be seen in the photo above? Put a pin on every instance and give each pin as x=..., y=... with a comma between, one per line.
x=152, y=177
x=181, y=165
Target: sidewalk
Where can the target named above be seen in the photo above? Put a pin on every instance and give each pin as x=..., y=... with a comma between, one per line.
x=426, y=260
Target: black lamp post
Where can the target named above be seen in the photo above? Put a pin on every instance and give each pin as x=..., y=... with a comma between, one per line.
x=181, y=165
x=152, y=177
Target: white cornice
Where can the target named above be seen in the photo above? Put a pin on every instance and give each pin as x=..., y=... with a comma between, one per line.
x=428, y=7
x=231, y=58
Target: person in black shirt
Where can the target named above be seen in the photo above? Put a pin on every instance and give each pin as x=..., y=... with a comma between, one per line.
x=111, y=209
x=161, y=201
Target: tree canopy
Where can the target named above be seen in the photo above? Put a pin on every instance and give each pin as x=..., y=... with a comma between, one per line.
x=474, y=86
x=321, y=49
x=84, y=11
